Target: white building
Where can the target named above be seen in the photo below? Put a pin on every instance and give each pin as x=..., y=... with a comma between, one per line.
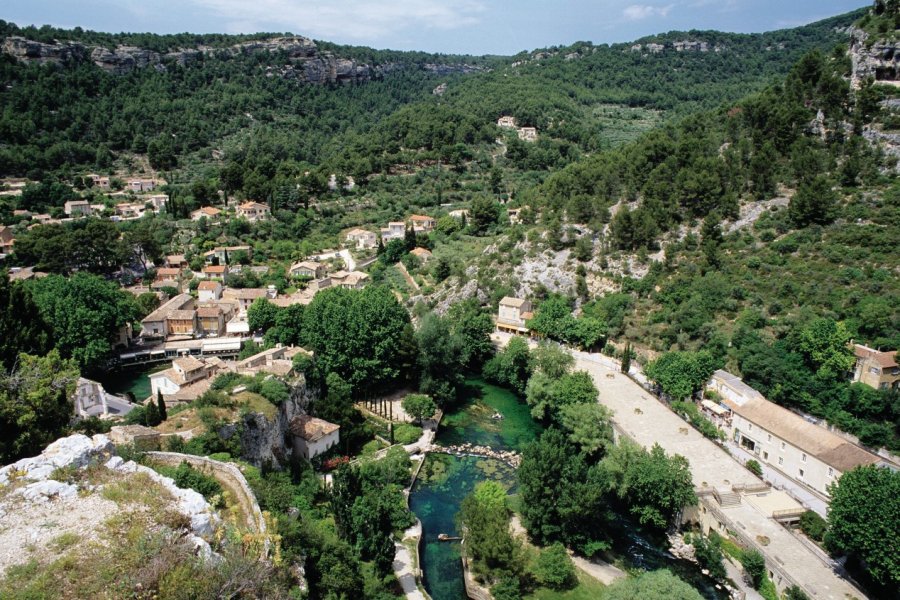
x=77, y=208
x=783, y=440
x=396, y=230
x=186, y=380
x=91, y=400
x=313, y=436
x=512, y=315
x=361, y=238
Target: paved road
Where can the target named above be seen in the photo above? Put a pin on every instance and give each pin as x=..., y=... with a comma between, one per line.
x=646, y=420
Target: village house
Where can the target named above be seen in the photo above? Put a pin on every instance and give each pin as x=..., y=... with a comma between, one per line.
x=91, y=400
x=396, y=230
x=422, y=223
x=875, y=368
x=245, y=296
x=7, y=240
x=171, y=273
x=423, y=254
x=313, y=436
x=512, y=315
x=354, y=280
x=155, y=325
x=158, y=201
x=783, y=440
x=226, y=255
x=205, y=212
x=130, y=210
x=461, y=213
x=99, y=181
x=275, y=361
x=182, y=322
x=211, y=320
x=186, y=380
x=527, y=134
x=308, y=268
x=77, y=208
x=253, y=211
x=361, y=238
x=209, y=291
x=506, y=122
x=176, y=261
x=162, y=285
x=141, y=185
x=214, y=272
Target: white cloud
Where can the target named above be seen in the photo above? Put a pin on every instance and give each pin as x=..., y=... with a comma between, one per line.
x=638, y=12
x=350, y=20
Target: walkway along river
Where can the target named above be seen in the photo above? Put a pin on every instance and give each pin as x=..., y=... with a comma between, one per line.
x=446, y=478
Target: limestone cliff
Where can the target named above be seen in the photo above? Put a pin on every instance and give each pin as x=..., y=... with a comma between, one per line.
x=878, y=59
x=268, y=441
x=298, y=59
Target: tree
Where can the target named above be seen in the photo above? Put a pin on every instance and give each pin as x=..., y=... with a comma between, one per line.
x=626, y=358
x=654, y=486
x=814, y=202
x=35, y=404
x=754, y=467
x=483, y=214
x=419, y=407
x=22, y=329
x=652, y=585
x=589, y=426
x=826, y=344
x=511, y=366
x=85, y=314
x=473, y=325
x=441, y=359
x=554, y=568
x=362, y=335
x=548, y=396
x=161, y=406
x=864, y=521
x=337, y=405
x=681, y=374
x=262, y=315
x=755, y=567
x=708, y=552
x=492, y=550
x=795, y=593
x=146, y=303
x=552, y=360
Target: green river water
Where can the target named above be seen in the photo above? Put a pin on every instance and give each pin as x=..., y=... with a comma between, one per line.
x=446, y=480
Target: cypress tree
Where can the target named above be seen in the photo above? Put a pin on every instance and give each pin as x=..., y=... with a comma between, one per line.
x=161, y=406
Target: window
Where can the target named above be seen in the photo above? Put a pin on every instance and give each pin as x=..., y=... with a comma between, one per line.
x=765, y=456
x=780, y=460
x=801, y=473
x=782, y=445
x=803, y=457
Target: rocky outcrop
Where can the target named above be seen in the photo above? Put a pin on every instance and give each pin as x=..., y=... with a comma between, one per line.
x=303, y=61
x=878, y=59
x=265, y=441
x=30, y=51
x=677, y=46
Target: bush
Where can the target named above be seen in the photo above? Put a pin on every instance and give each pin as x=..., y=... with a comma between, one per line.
x=275, y=391
x=554, y=568
x=795, y=593
x=709, y=554
x=755, y=566
x=406, y=433
x=754, y=467
x=188, y=477
x=813, y=525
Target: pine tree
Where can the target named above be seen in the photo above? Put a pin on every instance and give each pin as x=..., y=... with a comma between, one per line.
x=161, y=406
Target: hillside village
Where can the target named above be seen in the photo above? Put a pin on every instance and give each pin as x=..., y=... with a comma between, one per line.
x=489, y=345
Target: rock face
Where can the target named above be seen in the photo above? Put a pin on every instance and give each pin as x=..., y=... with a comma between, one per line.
x=76, y=450
x=303, y=61
x=878, y=59
x=264, y=441
x=677, y=46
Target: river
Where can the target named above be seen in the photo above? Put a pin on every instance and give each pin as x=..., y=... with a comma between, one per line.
x=446, y=480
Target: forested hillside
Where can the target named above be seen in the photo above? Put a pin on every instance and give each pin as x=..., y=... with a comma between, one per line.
x=248, y=108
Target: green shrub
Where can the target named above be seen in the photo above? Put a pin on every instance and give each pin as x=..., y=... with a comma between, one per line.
x=406, y=433
x=754, y=467
x=554, y=568
x=813, y=525
x=755, y=566
x=188, y=477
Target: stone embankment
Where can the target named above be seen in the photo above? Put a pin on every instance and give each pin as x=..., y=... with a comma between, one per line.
x=511, y=458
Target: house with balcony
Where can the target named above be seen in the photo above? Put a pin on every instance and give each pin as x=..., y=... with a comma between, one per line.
x=805, y=452
x=422, y=223
x=512, y=314
x=253, y=211
x=361, y=239
x=875, y=368
x=396, y=230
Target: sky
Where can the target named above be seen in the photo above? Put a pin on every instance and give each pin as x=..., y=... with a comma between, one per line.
x=450, y=26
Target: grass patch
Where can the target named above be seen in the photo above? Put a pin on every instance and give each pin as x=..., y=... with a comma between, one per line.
x=64, y=541
x=588, y=588
x=406, y=433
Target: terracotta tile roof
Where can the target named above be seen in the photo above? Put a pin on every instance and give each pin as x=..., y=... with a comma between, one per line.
x=310, y=428
x=208, y=285
x=181, y=315
x=209, y=312
x=514, y=302
x=886, y=360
